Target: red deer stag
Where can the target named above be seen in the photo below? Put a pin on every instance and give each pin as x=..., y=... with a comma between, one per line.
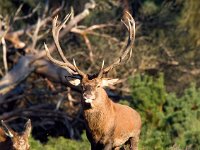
x=109, y=125
x=11, y=140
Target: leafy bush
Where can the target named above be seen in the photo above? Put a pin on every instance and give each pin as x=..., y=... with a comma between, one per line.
x=149, y=8
x=61, y=143
x=167, y=119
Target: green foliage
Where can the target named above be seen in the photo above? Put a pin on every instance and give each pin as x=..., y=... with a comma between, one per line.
x=190, y=21
x=150, y=96
x=168, y=28
x=149, y=8
x=35, y=144
x=61, y=143
x=4, y=7
x=167, y=119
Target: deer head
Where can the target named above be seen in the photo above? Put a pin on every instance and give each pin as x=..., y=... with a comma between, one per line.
x=90, y=84
x=15, y=140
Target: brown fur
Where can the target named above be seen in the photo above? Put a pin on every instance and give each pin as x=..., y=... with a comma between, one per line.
x=19, y=141
x=109, y=125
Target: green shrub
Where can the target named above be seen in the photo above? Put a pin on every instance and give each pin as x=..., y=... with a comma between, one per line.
x=167, y=119
x=61, y=143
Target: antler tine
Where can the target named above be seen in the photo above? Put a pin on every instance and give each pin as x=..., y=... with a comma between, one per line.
x=78, y=70
x=65, y=64
x=128, y=49
x=60, y=63
x=51, y=58
x=56, y=30
x=102, y=65
x=101, y=70
x=131, y=26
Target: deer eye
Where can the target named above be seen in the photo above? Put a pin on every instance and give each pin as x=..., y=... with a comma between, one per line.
x=98, y=86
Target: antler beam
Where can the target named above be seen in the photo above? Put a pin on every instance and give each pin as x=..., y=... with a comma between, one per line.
x=65, y=64
x=128, y=49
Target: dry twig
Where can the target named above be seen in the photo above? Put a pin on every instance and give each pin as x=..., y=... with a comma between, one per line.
x=17, y=17
x=4, y=55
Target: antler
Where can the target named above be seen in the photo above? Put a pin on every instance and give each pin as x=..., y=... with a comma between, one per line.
x=65, y=64
x=128, y=48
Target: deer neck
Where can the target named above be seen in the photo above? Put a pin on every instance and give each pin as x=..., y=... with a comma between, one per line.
x=98, y=116
x=100, y=107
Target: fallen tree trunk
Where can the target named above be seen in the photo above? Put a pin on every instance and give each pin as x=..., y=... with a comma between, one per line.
x=37, y=62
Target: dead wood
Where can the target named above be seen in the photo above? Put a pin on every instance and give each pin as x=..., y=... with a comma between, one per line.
x=36, y=62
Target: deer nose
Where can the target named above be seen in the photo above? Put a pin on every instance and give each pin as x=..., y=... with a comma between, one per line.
x=85, y=95
x=88, y=96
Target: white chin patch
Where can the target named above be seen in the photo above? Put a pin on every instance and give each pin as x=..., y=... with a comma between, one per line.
x=88, y=100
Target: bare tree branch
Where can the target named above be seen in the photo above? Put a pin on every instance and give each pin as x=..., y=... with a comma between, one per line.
x=4, y=55
x=17, y=17
x=34, y=37
x=27, y=64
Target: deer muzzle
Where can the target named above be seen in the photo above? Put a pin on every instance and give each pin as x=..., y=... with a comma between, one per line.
x=88, y=98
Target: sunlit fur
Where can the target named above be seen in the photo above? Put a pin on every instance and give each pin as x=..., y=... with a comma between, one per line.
x=109, y=125
x=19, y=141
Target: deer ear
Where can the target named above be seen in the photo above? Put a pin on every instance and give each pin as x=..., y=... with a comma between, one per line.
x=73, y=81
x=108, y=81
x=28, y=128
x=7, y=131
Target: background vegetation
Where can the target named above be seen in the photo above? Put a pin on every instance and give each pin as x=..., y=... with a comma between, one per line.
x=161, y=81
